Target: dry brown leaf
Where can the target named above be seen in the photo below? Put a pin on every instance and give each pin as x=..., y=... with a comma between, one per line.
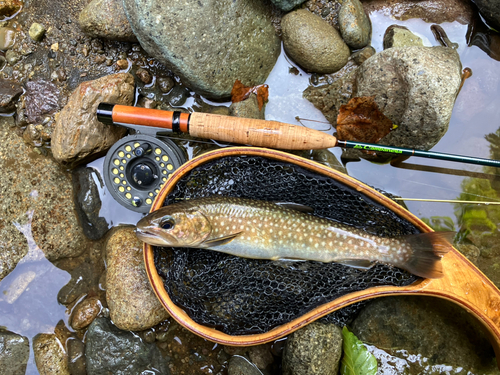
x=360, y=120
x=241, y=92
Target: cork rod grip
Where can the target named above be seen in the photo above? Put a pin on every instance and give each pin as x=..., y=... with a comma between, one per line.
x=261, y=133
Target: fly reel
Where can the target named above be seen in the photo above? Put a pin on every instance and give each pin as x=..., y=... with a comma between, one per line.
x=136, y=168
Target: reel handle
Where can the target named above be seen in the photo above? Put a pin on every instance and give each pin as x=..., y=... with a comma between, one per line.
x=255, y=132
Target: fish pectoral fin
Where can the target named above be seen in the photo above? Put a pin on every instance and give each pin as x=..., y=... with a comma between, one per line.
x=221, y=240
x=362, y=264
x=295, y=206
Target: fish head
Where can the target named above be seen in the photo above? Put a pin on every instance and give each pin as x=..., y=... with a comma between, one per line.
x=174, y=226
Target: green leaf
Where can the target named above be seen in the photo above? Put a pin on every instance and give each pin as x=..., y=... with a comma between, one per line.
x=357, y=360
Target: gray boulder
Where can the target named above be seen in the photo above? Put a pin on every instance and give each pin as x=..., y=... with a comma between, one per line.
x=106, y=19
x=109, y=350
x=287, y=5
x=14, y=353
x=312, y=43
x=416, y=88
x=314, y=349
x=209, y=44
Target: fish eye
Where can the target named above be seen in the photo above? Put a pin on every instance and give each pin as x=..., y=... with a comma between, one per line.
x=167, y=223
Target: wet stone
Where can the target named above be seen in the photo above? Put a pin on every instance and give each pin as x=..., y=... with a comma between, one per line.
x=85, y=312
x=354, y=24
x=287, y=5
x=7, y=38
x=14, y=353
x=41, y=98
x=144, y=76
x=76, y=356
x=106, y=19
x=431, y=327
x=314, y=349
x=42, y=190
x=416, y=88
x=78, y=134
x=83, y=278
x=131, y=300
x=50, y=357
x=88, y=202
x=37, y=31
x=239, y=365
x=359, y=57
x=490, y=10
x=12, y=57
x=109, y=350
x=10, y=92
x=248, y=108
x=313, y=43
x=222, y=41
x=400, y=36
x=165, y=84
x=261, y=356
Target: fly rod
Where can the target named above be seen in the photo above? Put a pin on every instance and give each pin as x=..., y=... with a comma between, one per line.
x=254, y=132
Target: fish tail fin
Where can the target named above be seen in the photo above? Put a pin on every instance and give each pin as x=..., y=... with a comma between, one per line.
x=428, y=248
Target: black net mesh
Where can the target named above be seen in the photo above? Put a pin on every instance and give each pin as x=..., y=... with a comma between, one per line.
x=244, y=296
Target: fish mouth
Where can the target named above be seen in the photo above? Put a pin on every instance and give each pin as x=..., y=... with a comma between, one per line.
x=150, y=238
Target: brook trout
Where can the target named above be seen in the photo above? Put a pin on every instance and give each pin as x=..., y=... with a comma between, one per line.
x=268, y=230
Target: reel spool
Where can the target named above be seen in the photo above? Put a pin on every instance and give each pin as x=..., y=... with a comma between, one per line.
x=136, y=168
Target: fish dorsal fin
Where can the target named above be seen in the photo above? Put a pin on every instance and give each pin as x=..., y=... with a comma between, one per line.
x=295, y=206
x=362, y=264
x=220, y=240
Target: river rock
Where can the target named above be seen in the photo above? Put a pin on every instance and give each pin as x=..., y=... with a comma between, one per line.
x=220, y=41
x=50, y=357
x=14, y=353
x=248, y=108
x=76, y=356
x=77, y=133
x=83, y=278
x=415, y=87
x=355, y=25
x=426, y=326
x=106, y=19
x=287, y=5
x=109, y=350
x=88, y=202
x=314, y=349
x=131, y=300
x=32, y=184
x=313, y=43
x=239, y=365
x=431, y=11
x=490, y=10
x=85, y=312
x=400, y=36
x=41, y=98
x=10, y=91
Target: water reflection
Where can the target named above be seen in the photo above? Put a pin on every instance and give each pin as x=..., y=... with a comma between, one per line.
x=28, y=299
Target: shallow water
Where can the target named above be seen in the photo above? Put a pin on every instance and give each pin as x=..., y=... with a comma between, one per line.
x=34, y=307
